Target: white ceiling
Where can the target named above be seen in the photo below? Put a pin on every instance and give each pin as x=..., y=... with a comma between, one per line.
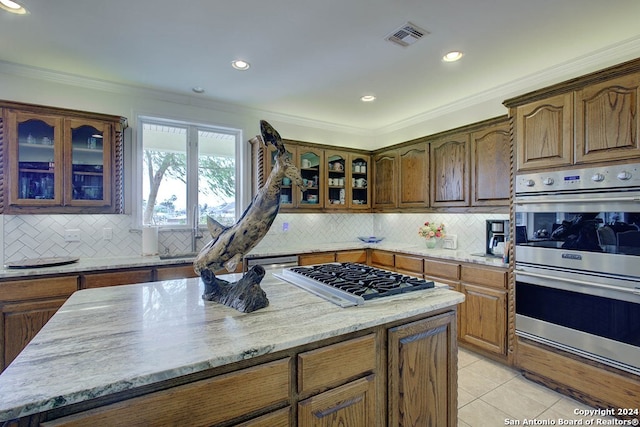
x=314, y=59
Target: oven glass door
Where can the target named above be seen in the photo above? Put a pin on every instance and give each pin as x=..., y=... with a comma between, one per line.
x=597, y=326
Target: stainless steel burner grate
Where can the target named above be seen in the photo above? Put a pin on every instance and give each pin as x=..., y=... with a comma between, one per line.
x=348, y=284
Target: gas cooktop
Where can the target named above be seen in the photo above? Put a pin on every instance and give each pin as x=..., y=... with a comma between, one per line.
x=347, y=284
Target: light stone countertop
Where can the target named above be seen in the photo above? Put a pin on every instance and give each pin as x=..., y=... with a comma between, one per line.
x=98, y=264
x=112, y=339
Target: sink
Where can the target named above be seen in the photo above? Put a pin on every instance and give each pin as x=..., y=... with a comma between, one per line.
x=176, y=256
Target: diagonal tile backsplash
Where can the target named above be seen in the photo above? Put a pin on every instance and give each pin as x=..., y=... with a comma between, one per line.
x=33, y=236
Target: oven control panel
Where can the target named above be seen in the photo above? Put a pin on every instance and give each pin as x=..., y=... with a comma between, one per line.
x=596, y=178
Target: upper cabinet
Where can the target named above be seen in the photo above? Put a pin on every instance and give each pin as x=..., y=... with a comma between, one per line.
x=385, y=194
x=490, y=165
x=450, y=171
x=60, y=161
x=544, y=133
x=590, y=119
x=413, y=162
x=607, y=121
x=332, y=179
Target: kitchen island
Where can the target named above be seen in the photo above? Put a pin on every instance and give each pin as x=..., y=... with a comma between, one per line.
x=157, y=350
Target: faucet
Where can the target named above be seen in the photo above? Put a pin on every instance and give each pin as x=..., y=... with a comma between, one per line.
x=195, y=230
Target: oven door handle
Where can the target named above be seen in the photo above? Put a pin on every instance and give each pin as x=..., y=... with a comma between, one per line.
x=635, y=291
x=538, y=200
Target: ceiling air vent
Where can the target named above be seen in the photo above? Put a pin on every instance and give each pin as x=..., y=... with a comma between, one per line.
x=407, y=35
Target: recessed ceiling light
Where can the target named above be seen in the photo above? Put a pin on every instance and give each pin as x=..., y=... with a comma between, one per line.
x=13, y=7
x=241, y=65
x=198, y=89
x=452, y=56
x=367, y=98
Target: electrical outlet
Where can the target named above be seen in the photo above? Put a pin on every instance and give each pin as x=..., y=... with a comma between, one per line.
x=107, y=233
x=285, y=226
x=72, y=235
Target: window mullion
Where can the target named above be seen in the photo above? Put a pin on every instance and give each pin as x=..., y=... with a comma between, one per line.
x=192, y=173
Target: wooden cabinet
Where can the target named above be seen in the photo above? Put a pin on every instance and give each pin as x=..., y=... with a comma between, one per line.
x=544, y=133
x=310, y=163
x=589, y=119
x=607, y=121
x=337, y=173
x=385, y=180
x=359, y=186
x=423, y=373
x=289, y=194
x=61, y=161
x=352, y=404
x=356, y=255
x=382, y=259
x=116, y=278
x=413, y=176
x=491, y=165
x=26, y=305
x=181, y=271
x=450, y=171
x=207, y=402
x=483, y=314
x=409, y=264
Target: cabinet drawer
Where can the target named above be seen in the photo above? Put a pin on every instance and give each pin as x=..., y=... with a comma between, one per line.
x=409, y=263
x=17, y=290
x=320, y=258
x=359, y=256
x=445, y=270
x=98, y=280
x=484, y=276
x=211, y=401
x=382, y=258
x=334, y=364
x=175, y=272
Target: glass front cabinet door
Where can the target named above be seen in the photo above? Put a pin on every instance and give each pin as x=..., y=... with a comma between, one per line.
x=57, y=163
x=310, y=165
x=359, y=194
x=337, y=180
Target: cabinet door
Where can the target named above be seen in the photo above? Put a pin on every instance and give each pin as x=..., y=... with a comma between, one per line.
x=450, y=171
x=115, y=278
x=607, y=121
x=317, y=258
x=288, y=196
x=21, y=322
x=88, y=159
x=352, y=404
x=483, y=318
x=490, y=166
x=414, y=176
x=357, y=255
x=337, y=179
x=544, y=133
x=360, y=194
x=310, y=161
x=423, y=389
x=385, y=180
x=175, y=272
x=35, y=153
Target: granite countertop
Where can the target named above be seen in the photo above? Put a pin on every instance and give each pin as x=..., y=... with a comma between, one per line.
x=97, y=264
x=107, y=340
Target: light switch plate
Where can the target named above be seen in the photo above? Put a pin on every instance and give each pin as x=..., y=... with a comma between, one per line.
x=450, y=241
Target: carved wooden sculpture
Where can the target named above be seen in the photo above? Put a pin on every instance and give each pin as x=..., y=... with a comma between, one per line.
x=230, y=244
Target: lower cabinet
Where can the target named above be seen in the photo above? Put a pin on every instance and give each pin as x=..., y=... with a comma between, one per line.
x=356, y=255
x=116, y=278
x=352, y=404
x=400, y=374
x=25, y=307
x=423, y=373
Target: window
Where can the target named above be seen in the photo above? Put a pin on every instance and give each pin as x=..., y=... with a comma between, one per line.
x=188, y=172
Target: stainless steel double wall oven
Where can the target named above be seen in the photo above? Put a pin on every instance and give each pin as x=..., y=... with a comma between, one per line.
x=577, y=262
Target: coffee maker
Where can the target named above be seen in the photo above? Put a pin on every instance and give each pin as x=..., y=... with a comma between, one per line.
x=497, y=235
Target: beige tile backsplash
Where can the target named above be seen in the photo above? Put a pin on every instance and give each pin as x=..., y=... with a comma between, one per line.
x=32, y=236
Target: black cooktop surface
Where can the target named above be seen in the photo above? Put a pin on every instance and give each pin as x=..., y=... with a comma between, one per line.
x=362, y=280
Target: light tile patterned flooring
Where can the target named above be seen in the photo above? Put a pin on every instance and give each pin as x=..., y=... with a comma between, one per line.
x=491, y=394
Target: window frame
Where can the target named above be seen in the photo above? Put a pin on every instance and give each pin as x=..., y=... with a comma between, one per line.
x=192, y=167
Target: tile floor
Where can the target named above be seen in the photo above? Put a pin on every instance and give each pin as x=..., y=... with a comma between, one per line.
x=491, y=394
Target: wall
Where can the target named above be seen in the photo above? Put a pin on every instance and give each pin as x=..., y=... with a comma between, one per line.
x=33, y=236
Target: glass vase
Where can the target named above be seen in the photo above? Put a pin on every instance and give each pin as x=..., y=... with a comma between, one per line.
x=431, y=243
